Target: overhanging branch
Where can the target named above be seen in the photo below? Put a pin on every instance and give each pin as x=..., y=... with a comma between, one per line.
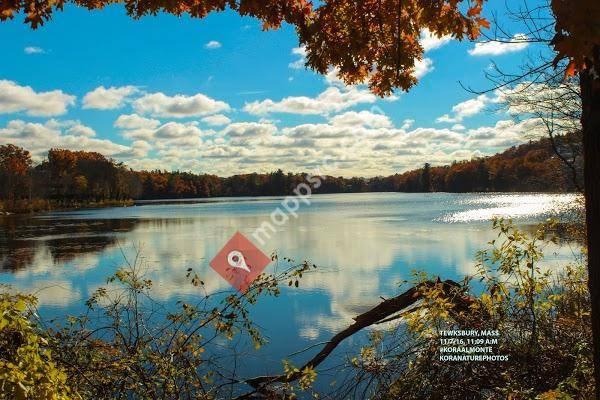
x=383, y=311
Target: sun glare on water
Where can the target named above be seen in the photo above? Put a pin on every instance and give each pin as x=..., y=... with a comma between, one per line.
x=516, y=206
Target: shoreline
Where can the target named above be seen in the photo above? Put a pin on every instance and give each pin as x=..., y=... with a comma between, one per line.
x=42, y=206
x=36, y=206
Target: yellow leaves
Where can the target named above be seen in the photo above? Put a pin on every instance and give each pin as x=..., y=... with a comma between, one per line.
x=26, y=367
x=309, y=375
x=486, y=300
x=306, y=377
x=436, y=309
x=367, y=353
x=198, y=351
x=554, y=395
x=289, y=369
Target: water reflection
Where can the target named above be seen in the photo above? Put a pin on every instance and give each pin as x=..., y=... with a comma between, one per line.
x=34, y=242
x=364, y=245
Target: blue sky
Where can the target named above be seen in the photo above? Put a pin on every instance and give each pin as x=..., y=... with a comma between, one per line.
x=219, y=95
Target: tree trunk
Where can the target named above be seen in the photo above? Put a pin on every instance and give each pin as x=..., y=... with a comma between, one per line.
x=590, y=121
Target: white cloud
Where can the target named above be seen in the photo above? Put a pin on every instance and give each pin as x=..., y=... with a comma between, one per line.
x=495, y=48
x=332, y=100
x=535, y=98
x=81, y=130
x=21, y=130
x=300, y=62
x=466, y=109
x=330, y=131
x=38, y=138
x=33, y=50
x=361, y=142
x=178, y=106
x=423, y=67
x=556, y=103
x=332, y=79
x=407, y=123
x=110, y=98
x=432, y=42
x=15, y=98
x=250, y=129
x=213, y=44
x=149, y=133
x=504, y=134
x=172, y=130
x=362, y=118
x=354, y=143
x=141, y=148
x=216, y=120
x=428, y=42
x=134, y=121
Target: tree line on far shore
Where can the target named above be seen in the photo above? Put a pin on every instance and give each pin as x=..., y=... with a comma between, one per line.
x=74, y=177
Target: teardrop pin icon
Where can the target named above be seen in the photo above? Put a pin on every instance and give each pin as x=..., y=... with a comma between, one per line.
x=236, y=259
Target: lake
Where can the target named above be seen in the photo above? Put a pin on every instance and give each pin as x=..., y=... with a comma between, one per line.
x=363, y=244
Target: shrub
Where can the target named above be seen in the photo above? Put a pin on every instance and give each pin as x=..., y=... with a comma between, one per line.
x=27, y=367
x=542, y=316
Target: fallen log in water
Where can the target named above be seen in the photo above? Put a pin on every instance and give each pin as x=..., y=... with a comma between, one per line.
x=383, y=311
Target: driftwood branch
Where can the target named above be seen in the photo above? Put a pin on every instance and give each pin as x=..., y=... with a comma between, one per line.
x=383, y=311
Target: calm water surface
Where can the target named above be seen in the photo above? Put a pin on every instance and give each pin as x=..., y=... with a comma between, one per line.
x=363, y=244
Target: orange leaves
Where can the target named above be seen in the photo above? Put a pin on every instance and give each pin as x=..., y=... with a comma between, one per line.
x=14, y=160
x=8, y=8
x=474, y=11
x=483, y=22
x=274, y=12
x=367, y=41
x=577, y=33
x=378, y=40
x=571, y=69
x=478, y=22
x=271, y=12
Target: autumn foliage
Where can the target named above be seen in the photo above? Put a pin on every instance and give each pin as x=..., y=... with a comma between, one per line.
x=73, y=178
x=271, y=12
x=378, y=40
x=529, y=167
x=15, y=163
x=374, y=41
x=577, y=34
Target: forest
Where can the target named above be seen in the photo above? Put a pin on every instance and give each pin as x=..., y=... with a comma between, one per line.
x=70, y=178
